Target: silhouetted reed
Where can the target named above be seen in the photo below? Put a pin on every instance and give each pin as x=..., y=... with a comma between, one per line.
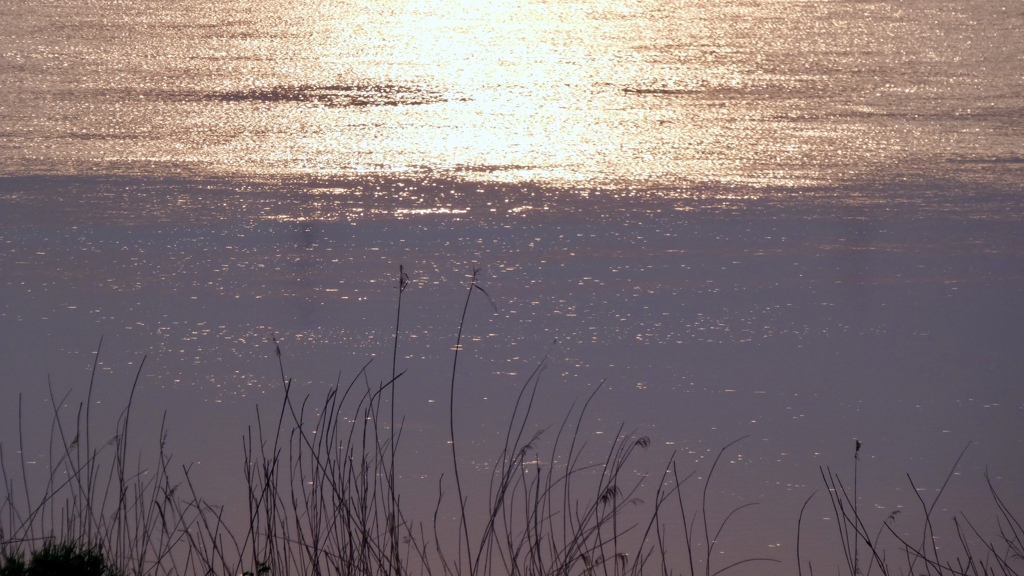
x=322, y=497
x=978, y=555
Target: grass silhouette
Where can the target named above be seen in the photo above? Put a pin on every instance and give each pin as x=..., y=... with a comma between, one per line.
x=322, y=498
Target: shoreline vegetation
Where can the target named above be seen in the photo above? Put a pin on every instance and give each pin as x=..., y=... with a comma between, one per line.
x=323, y=498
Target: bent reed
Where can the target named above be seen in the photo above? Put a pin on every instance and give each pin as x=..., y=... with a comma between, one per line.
x=322, y=496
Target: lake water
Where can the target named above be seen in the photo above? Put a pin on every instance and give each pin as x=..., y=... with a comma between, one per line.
x=795, y=221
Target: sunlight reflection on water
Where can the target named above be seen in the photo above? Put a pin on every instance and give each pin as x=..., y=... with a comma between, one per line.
x=794, y=220
x=660, y=94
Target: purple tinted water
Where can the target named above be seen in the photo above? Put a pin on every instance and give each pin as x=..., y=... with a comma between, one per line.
x=794, y=222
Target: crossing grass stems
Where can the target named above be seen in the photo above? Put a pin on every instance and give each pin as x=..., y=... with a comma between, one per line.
x=323, y=498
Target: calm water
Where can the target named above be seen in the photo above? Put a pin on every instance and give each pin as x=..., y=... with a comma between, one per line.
x=795, y=220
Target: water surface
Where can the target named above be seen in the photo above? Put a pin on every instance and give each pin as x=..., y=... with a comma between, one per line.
x=795, y=221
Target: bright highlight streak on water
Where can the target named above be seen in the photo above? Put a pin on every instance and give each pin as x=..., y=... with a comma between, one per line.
x=663, y=95
x=794, y=220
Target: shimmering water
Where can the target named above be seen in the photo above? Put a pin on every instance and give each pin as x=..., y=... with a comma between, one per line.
x=658, y=94
x=795, y=220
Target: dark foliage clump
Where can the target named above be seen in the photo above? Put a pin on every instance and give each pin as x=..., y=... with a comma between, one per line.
x=59, y=560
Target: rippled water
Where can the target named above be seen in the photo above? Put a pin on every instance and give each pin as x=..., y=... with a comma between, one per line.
x=666, y=95
x=795, y=220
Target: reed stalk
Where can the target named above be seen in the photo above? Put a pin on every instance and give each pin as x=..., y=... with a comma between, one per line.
x=322, y=495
